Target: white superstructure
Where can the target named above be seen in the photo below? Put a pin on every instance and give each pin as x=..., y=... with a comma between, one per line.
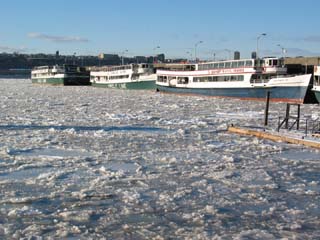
x=316, y=82
x=122, y=74
x=221, y=74
x=44, y=72
x=60, y=74
x=243, y=78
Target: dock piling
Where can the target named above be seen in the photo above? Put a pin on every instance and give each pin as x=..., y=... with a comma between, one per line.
x=266, y=111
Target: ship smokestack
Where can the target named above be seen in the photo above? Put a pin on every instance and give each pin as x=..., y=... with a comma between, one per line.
x=236, y=55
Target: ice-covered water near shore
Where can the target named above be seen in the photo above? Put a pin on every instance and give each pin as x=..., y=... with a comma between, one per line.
x=90, y=163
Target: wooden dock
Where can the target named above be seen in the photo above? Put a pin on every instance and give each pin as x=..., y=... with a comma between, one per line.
x=273, y=136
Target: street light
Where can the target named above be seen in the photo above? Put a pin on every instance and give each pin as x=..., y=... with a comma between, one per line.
x=122, y=54
x=229, y=52
x=195, y=49
x=154, y=52
x=258, y=38
x=283, y=50
x=190, y=54
x=214, y=56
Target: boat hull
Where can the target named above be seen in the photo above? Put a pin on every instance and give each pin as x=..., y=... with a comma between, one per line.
x=277, y=94
x=138, y=85
x=63, y=80
x=317, y=94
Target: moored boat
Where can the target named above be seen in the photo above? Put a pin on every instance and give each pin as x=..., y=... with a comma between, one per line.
x=131, y=76
x=316, y=83
x=60, y=75
x=249, y=79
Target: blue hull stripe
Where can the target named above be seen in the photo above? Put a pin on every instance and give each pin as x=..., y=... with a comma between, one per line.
x=291, y=94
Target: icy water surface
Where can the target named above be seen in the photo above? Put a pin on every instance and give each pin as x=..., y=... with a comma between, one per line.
x=91, y=163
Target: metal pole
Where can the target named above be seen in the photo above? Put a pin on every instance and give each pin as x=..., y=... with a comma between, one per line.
x=122, y=56
x=306, y=131
x=258, y=38
x=287, y=116
x=298, y=117
x=195, y=50
x=266, y=112
x=154, y=54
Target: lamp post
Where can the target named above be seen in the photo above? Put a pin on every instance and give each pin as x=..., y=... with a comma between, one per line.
x=283, y=50
x=229, y=53
x=258, y=38
x=154, y=52
x=122, y=54
x=189, y=54
x=214, y=56
x=195, y=50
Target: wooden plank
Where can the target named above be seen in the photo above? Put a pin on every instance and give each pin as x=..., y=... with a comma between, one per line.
x=273, y=137
x=316, y=135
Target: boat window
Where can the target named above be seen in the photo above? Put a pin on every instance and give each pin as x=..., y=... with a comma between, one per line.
x=248, y=63
x=230, y=78
x=275, y=62
x=234, y=64
x=221, y=65
x=227, y=64
x=119, y=77
x=216, y=65
x=183, y=80
x=164, y=79
x=241, y=64
x=233, y=78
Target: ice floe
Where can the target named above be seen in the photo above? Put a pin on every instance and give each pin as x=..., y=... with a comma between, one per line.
x=90, y=163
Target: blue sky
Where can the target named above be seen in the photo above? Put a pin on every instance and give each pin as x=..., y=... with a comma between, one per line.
x=139, y=26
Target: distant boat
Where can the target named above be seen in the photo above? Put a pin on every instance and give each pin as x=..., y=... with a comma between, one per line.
x=248, y=79
x=60, y=75
x=316, y=83
x=132, y=76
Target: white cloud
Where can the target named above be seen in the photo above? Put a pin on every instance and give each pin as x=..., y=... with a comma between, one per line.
x=58, y=39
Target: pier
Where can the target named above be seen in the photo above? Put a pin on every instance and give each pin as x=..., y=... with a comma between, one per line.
x=275, y=136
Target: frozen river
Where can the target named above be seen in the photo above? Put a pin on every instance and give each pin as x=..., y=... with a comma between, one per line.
x=90, y=163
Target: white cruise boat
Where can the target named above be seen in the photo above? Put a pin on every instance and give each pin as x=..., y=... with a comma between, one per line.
x=244, y=78
x=316, y=83
x=132, y=76
x=60, y=75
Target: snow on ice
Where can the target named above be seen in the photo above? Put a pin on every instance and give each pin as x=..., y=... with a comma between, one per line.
x=90, y=163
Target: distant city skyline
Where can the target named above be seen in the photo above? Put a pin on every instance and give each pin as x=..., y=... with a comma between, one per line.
x=178, y=28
